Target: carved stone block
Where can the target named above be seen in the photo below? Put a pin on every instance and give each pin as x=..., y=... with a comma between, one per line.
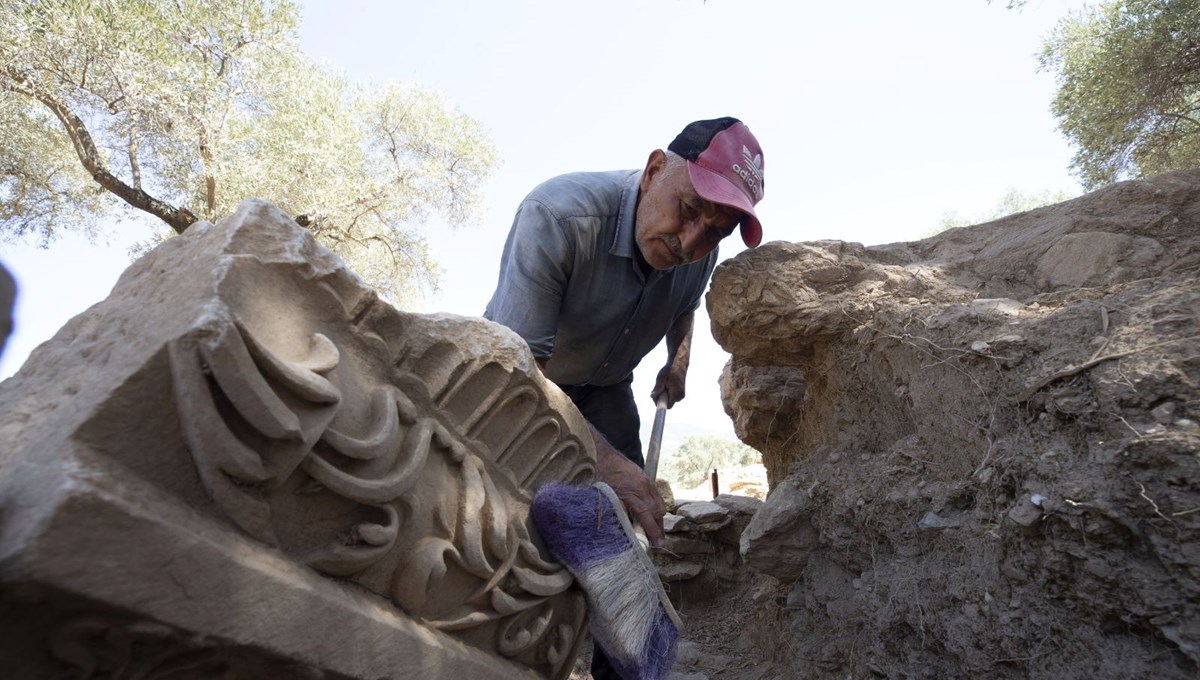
x=243, y=460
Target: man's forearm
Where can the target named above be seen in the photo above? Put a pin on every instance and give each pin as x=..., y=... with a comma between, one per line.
x=635, y=490
x=672, y=377
x=679, y=341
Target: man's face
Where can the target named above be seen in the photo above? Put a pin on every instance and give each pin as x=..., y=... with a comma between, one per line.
x=674, y=225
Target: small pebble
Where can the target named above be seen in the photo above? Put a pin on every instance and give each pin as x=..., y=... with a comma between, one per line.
x=932, y=520
x=1148, y=428
x=1025, y=513
x=1164, y=413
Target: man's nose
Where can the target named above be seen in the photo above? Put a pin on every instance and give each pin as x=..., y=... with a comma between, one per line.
x=691, y=239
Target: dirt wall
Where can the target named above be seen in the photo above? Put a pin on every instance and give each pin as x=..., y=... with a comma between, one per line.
x=997, y=428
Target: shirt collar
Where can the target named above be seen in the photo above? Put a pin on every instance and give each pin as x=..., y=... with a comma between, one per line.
x=623, y=242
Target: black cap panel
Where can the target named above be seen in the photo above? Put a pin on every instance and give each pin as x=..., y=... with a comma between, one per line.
x=696, y=137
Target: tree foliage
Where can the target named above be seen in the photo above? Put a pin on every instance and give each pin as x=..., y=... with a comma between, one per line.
x=1128, y=96
x=182, y=109
x=1013, y=201
x=697, y=454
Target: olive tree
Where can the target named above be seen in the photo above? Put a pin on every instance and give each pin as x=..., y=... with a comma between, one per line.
x=1128, y=96
x=697, y=454
x=114, y=110
x=1013, y=201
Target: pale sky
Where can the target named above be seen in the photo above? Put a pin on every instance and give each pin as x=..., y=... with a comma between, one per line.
x=876, y=117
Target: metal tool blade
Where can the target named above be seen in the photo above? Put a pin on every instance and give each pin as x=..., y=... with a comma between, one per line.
x=656, y=435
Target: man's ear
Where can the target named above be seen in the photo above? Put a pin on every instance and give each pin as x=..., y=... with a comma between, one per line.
x=654, y=165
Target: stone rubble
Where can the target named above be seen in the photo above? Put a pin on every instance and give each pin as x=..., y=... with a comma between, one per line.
x=697, y=546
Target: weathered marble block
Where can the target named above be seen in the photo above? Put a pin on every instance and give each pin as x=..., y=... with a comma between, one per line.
x=244, y=464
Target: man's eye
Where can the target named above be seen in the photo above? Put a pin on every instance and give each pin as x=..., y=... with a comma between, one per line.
x=686, y=210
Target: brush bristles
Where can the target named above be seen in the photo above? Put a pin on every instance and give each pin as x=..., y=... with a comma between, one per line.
x=581, y=527
x=627, y=618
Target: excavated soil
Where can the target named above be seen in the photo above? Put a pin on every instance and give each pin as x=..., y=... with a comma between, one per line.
x=996, y=434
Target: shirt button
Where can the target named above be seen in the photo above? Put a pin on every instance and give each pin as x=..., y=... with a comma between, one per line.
x=627, y=331
x=605, y=365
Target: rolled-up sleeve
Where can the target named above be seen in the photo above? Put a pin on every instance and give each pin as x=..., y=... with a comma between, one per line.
x=534, y=270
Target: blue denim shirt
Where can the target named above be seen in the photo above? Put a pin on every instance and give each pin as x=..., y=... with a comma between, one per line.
x=570, y=283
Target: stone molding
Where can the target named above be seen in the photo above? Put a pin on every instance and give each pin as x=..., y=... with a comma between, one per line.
x=266, y=456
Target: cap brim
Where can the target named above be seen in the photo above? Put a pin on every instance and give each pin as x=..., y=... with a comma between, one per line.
x=713, y=187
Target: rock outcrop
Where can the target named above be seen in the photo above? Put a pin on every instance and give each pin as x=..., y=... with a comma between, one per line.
x=996, y=432
x=781, y=536
x=243, y=464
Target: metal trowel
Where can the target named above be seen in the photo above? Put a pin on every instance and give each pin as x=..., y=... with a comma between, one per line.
x=656, y=435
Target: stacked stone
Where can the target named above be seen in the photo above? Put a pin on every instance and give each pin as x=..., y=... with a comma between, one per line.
x=702, y=542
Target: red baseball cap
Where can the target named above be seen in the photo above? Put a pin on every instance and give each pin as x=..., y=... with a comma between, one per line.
x=725, y=164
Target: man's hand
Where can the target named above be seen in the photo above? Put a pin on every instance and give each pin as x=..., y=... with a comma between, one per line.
x=671, y=380
x=637, y=493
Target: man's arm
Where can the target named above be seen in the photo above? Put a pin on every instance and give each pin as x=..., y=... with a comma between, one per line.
x=673, y=375
x=534, y=270
x=636, y=492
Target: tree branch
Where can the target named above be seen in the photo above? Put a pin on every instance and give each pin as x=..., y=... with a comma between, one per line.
x=134, y=168
x=1180, y=117
x=210, y=182
x=178, y=219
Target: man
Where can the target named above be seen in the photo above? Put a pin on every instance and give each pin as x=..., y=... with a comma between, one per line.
x=600, y=267
x=8, y=297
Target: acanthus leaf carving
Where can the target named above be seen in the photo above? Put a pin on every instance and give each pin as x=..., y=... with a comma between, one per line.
x=426, y=522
